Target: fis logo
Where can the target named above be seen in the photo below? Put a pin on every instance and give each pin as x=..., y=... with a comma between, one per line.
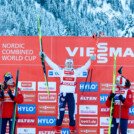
x=103, y=98
x=93, y=86
x=46, y=121
x=26, y=109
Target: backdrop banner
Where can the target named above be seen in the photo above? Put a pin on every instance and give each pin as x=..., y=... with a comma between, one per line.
x=38, y=113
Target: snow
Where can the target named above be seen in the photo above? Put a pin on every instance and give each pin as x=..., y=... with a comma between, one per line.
x=58, y=18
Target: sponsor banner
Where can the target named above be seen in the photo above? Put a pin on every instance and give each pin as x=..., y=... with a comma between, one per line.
x=27, y=85
x=131, y=122
x=104, y=121
x=26, y=131
x=88, y=131
x=88, y=121
x=130, y=131
x=131, y=110
x=29, y=97
x=18, y=50
x=104, y=110
x=53, y=73
x=26, y=121
x=91, y=98
x=42, y=86
x=46, y=131
x=104, y=130
x=65, y=131
x=93, y=86
x=88, y=109
x=65, y=122
x=132, y=87
x=106, y=87
x=46, y=109
x=43, y=97
x=26, y=109
x=46, y=121
x=103, y=98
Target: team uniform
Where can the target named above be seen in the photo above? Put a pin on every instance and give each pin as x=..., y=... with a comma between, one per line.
x=8, y=98
x=126, y=102
x=67, y=90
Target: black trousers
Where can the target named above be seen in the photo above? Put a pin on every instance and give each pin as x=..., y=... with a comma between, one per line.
x=69, y=99
x=4, y=124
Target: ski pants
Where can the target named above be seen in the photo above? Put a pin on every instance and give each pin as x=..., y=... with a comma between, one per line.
x=4, y=124
x=69, y=99
x=123, y=125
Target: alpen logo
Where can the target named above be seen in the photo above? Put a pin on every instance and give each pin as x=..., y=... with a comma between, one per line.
x=103, y=52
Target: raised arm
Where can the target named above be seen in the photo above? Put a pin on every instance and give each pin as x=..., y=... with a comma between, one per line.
x=86, y=66
x=51, y=63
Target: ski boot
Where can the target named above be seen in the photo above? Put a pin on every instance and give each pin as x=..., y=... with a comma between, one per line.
x=72, y=130
x=58, y=129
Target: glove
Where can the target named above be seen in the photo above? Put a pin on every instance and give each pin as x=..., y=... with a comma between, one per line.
x=2, y=94
x=93, y=57
x=121, y=98
x=111, y=96
x=10, y=94
x=42, y=54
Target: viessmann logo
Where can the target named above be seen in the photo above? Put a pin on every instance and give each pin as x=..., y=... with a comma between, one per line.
x=103, y=52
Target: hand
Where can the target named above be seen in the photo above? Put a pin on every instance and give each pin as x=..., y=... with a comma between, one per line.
x=2, y=94
x=121, y=98
x=42, y=54
x=111, y=96
x=2, y=86
x=10, y=94
x=93, y=57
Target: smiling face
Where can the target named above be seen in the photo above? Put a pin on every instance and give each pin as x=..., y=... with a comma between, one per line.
x=8, y=78
x=69, y=64
x=10, y=82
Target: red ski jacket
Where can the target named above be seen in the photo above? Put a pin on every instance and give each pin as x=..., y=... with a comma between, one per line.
x=8, y=104
x=127, y=94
